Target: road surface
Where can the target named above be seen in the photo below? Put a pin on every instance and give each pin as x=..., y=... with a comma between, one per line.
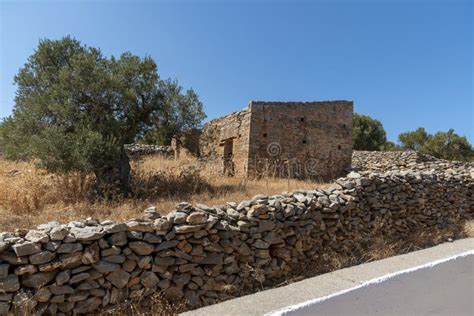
x=445, y=289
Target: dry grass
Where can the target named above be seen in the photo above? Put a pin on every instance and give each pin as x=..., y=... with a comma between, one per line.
x=29, y=196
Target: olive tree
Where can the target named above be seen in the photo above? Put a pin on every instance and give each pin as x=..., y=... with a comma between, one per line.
x=368, y=133
x=75, y=109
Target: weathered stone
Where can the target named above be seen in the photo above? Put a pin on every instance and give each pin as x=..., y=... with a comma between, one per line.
x=52, y=245
x=115, y=228
x=70, y=248
x=4, y=308
x=166, y=245
x=183, y=229
x=118, y=239
x=173, y=293
x=162, y=225
x=91, y=254
x=77, y=296
x=65, y=307
x=4, y=270
x=4, y=246
x=42, y=257
x=38, y=279
x=129, y=265
x=26, y=269
x=26, y=248
x=87, y=233
x=79, y=277
x=115, y=258
x=59, y=233
x=149, y=279
x=63, y=277
x=212, y=258
x=140, y=226
x=106, y=267
x=261, y=244
x=196, y=218
x=12, y=258
x=42, y=295
x=264, y=226
x=57, y=299
x=177, y=217
x=37, y=236
x=92, y=304
x=60, y=289
x=118, y=278
x=70, y=260
x=9, y=284
x=141, y=248
x=151, y=238
x=110, y=251
x=50, y=266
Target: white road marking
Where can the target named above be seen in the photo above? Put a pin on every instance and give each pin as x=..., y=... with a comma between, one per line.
x=312, y=302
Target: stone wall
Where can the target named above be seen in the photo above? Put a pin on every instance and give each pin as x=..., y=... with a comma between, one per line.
x=220, y=135
x=301, y=139
x=186, y=144
x=282, y=139
x=141, y=150
x=203, y=253
x=405, y=160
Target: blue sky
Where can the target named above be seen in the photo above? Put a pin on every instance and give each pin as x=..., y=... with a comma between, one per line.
x=406, y=63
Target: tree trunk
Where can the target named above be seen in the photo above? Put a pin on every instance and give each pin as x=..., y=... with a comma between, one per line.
x=115, y=179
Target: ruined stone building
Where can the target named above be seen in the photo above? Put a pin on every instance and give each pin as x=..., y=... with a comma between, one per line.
x=285, y=139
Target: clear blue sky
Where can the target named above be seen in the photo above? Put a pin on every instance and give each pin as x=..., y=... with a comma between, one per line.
x=406, y=63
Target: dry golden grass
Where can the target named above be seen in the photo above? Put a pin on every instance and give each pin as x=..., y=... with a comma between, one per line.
x=29, y=196
x=469, y=228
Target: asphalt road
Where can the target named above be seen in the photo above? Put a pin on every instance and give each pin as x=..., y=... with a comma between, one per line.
x=445, y=289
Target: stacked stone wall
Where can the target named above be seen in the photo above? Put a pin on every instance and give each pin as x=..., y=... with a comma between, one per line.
x=141, y=150
x=382, y=161
x=301, y=139
x=200, y=253
x=232, y=131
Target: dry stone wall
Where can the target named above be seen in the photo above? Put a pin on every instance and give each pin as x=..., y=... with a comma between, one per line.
x=141, y=150
x=224, y=143
x=301, y=139
x=200, y=253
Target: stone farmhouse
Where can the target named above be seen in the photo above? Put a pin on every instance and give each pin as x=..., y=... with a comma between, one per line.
x=285, y=139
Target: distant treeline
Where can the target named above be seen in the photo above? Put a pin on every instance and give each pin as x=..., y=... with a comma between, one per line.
x=369, y=134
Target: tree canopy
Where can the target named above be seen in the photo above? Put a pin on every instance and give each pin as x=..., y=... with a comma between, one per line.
x=367, y=133
x=181, y=112
x=444, y=145
x=414, y=140
x=75, y=109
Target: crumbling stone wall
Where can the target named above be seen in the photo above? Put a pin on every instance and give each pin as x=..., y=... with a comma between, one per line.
x=401, y=160
x=301, y=139
x=283, y=139
x=140, y=150
x=187, y=143
x=203, y=253
x=224, y=143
